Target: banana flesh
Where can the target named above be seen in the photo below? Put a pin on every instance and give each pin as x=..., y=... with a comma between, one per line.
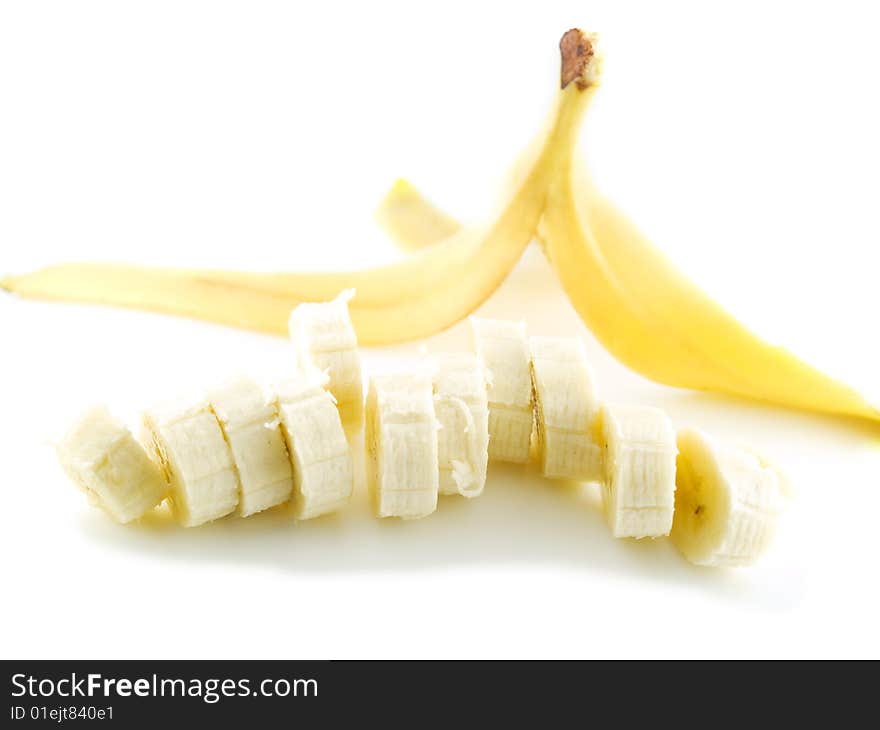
x=727, y=504
x=250, y=426
x=186, y=440
x=462, y=409
x=638, y=491
x=101, y=456
x=566, y=409
x=428, y=431
x=323, y=473
x=325, y=341
x=503, y=350
x=401, y=443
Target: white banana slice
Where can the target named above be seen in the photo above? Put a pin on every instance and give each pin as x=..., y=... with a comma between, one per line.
x=102, y=457
x=325, y=341
x=638, y=491
x=462, y=409
x=566, y=410
x=323, y=474
x=727, y=503
x=250, y=425
x=401, y=445
x=186, y=440
x=503, y=349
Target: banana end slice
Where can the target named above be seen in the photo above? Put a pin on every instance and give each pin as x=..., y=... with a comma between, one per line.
x=102, y=457
x=727, y=502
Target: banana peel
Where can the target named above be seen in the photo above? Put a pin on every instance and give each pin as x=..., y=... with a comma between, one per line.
x=693, y=342
x=644, y=311
x=416, y=297
x=411, y=221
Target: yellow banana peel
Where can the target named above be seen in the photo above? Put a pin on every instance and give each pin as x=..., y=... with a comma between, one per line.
x=411, y=221
x=660, y=323
x=651, y=317
x=423, y=294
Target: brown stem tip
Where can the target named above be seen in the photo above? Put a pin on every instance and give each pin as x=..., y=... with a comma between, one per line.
x=580, y=61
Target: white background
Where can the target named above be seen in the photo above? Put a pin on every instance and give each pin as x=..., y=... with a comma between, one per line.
x=260, y=135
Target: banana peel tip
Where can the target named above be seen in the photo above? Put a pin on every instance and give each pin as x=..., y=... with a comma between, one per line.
x=7, y=283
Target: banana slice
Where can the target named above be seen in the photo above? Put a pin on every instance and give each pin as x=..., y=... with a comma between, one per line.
x=401, y=444
x=250, y=425
x=323, y=474
x=103, y=459
x=638, y=491
x=462, y=410
x=727, y=503
x=566, y=409
x=187, y=442
x=503, y=349
x=325, y=341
